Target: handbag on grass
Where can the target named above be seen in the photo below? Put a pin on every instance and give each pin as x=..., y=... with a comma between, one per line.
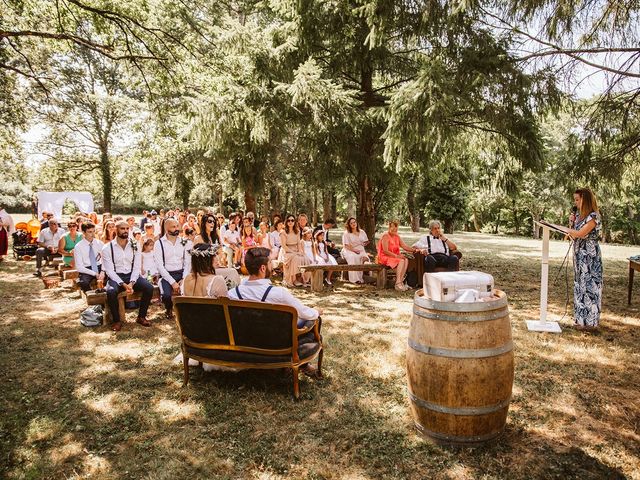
x=92, y=316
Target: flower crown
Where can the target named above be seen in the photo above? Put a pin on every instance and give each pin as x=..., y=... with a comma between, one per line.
x=212, y=251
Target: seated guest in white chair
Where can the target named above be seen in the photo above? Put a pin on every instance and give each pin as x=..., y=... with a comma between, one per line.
x=122, y=262
x=88, y=258
x=437, y=249
x=258, y=288
x=48, y=241
x=173, y=262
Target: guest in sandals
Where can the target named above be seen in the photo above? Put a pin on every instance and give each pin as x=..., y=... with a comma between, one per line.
x=389, y=254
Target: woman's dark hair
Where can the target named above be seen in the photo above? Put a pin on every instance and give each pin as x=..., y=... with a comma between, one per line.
x=203, y=229
x=349, y=226
x=295, y=225
x=202, y=260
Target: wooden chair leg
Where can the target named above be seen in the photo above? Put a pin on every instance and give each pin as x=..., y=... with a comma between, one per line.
x=185, y=365
x=382, y=279
x=296, y=383
x=320, y=363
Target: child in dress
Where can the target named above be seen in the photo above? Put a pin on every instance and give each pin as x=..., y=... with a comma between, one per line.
x=307, y=245
x=149, y=267
x=322, y=256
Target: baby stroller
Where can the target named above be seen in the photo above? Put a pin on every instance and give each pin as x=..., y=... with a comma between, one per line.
x=25, y=239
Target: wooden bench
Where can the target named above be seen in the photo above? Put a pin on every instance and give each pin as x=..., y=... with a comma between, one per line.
x=243, y=334
x=70, y=275
x=100, y=298
x=317, y=273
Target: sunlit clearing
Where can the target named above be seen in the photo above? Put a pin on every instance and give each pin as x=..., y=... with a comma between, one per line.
x=172, y=411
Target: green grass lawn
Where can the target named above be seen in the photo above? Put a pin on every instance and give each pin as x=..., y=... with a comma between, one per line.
x=88, y=403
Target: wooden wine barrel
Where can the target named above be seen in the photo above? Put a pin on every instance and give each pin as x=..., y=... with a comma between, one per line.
x=460, y=369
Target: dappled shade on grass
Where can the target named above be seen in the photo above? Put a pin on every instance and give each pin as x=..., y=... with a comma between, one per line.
x=92, y=403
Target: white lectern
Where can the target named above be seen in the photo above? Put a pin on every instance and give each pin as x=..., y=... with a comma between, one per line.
x=543, y=325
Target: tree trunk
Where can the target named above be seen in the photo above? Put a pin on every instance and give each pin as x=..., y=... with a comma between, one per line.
x=249, y=199
x=448, y=225
x=314, y=216
x=326, y=204
x=412, y=203
x=535, y=227
x=366, y=213
x=105, y=171
x=477, y=225
x=334, y=207
x=351, y=208
x=516, y=217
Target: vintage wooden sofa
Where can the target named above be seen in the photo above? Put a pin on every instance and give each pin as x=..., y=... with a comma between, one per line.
x=245, y=334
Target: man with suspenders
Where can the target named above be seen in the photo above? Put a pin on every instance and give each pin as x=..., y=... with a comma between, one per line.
x=258, y=288
x=122, y=262
x=437, y=249
x=173, y=262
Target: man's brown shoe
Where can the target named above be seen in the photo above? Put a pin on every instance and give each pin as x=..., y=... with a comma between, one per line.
x=116, y=327
x=143, y=321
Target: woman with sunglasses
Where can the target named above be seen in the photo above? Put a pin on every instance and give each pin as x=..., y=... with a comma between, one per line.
x=68, y=242
x=209, y=236
x=292, y=255
x=208, y=230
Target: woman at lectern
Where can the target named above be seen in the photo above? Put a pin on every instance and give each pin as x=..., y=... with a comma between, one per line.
x=587, y=264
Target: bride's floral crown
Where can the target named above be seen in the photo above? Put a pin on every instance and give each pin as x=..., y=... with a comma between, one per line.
x=212, y=251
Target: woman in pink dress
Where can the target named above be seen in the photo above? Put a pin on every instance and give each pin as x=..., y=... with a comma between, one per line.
x=389, y=254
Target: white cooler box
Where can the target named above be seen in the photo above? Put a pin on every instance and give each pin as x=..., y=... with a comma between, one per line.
x=445, y=286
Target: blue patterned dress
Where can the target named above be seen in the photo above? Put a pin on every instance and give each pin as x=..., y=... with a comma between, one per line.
x=587, y=266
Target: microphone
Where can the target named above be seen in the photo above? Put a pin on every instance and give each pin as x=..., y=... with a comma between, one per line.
x=572, y=217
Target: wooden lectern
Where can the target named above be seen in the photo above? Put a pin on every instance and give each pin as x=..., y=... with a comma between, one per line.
x=543, y=325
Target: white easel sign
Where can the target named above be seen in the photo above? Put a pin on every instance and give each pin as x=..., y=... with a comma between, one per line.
x=543, y=325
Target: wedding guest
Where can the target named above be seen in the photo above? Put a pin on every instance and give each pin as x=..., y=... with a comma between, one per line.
x=172, y=260
x=326, y=226
x=208, y=230
x=354, y=241
x=48, y=242
x=148, y=233
x=108, y=231
x=87, y=256
x=122, y=262
x=274, y=239
x=291, y=254
x=202, y=280
x=389, y=254
x=437, y=249
x=149, y=266
x=7, y=228
x=68, y=242
x=322, y=255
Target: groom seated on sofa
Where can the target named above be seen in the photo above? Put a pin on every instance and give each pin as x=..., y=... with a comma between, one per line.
x=258, y=288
